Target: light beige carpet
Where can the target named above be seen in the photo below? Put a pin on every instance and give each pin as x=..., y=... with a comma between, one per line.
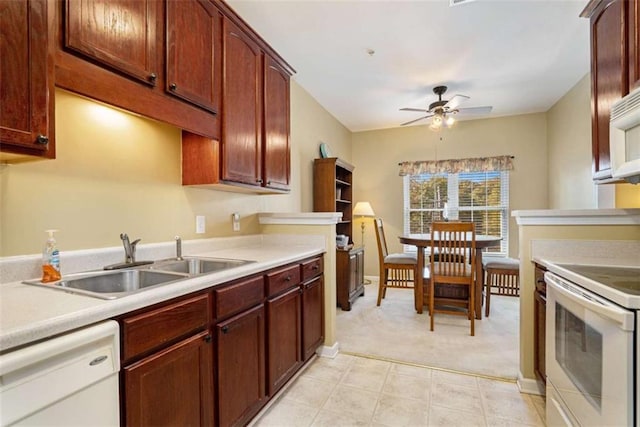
x=395, y=331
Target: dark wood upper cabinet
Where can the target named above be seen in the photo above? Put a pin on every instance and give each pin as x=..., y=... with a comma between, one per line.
x=26, y=79
x=276, y=125
x=633, y=36
x=118, y=33
x=609, y=73
x=242, y=107
x=194, y=52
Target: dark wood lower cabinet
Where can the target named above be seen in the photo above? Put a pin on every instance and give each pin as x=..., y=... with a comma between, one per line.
x=312, y=316
x=241, y=366
x=172, y=387
x=349, y=276
x=214, y=358
x=283, y=338
x=539, y=325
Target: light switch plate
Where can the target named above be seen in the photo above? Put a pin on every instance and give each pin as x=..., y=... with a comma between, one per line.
x=235, y=219
x=200, y=224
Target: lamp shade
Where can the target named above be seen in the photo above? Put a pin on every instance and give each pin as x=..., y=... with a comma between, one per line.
x=363, y=209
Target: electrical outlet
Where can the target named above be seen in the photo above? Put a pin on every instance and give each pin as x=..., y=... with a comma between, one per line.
x=200, y=224
x=235, y=219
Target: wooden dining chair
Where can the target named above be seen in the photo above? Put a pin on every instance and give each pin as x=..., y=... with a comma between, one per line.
x=396, y=270
x=452, y=241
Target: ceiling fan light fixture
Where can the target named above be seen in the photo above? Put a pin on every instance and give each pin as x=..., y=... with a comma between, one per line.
x=450, y=121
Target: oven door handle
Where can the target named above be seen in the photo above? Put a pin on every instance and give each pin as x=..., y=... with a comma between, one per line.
x=608, y=310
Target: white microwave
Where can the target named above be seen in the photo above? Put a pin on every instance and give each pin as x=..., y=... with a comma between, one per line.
x=624, y=138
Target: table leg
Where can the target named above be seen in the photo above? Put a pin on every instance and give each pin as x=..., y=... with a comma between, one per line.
x=479, y=283
x=418, y=285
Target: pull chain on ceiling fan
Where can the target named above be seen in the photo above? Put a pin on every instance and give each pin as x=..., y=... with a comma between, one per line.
x=442, y=111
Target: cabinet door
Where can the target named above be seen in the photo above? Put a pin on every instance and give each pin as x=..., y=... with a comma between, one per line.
x=118, y=33
x=241, y=366
x=276, y=125
x=609, y=76
x=172, y=387
x=26, y=84
x=312, y=316
x=353, y=273
x=284, y=334
x=540, y=303
x=194, y=52
x=242, y=100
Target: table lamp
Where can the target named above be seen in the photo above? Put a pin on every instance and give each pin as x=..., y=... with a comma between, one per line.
x=363, y=210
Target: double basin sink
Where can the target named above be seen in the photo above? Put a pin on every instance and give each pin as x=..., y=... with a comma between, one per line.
x=114, y=284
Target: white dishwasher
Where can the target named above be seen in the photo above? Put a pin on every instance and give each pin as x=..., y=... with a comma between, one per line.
x=70, y=380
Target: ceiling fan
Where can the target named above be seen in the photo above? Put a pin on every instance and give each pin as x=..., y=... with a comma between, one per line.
x=443, y=111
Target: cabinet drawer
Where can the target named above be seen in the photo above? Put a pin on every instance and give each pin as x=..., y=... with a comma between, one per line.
x=282, y=279
x=150, y=330
x=312, y=268
x=239, y=296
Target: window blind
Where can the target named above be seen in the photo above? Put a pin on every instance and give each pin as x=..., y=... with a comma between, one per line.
x=480, y=197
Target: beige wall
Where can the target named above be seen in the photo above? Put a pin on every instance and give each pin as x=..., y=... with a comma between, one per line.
x=376, y=155
x=311, y=125
x=116, y=172
x=569, y=140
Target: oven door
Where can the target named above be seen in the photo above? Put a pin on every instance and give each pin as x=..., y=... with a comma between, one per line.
x=589, y=355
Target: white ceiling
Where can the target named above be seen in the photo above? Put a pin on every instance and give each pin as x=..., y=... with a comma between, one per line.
x=519, y=56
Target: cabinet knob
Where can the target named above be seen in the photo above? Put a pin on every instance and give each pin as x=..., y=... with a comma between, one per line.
x=225, y=329
x=207, y=339
x=173, y=86
x=288, y=278
x=268, y=182
x=540, y=281
x=153, y=78
x=316, y=267
x=259, y=181
x=42, y=139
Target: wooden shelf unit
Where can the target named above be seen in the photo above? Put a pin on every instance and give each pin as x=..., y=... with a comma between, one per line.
x=333, y=191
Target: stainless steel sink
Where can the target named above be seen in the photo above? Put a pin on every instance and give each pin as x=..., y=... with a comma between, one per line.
x=196, y=266
x=112, y=284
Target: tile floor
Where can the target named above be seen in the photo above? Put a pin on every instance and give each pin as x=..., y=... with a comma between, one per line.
x=357, y=391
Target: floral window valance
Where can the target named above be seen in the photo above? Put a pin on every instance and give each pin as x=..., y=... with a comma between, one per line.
x=480, y=164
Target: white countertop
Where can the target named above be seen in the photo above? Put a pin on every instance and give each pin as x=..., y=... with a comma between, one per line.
x=30, y=313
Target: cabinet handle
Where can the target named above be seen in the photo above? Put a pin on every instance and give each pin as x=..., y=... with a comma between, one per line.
x=316, y=267
x=541, y=281
x=207, y=339
x=173, y=87
x=152, y=78
x=268, y=182
x=225, y=329
x=42, y=139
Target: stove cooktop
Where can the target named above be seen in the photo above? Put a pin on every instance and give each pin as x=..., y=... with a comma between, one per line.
x=624, y=279
x=618, y=284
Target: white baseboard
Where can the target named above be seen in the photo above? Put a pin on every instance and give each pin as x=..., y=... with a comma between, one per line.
x=330, y=352
x=530, y=386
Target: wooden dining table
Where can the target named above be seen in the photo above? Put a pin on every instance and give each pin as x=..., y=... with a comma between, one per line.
x=423, y=241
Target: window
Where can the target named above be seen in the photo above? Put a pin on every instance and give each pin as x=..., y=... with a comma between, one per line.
x=481, y=197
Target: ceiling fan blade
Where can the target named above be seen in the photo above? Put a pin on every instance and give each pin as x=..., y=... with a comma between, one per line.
x=453, y=103
x=421, y=110
x=475, y=110
x=416, y=120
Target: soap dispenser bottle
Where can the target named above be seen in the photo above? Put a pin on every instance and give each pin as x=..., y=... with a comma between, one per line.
x=50, y=259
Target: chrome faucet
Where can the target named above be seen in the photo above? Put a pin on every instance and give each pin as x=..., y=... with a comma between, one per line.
x=129, y=255
x=178, y=248
x=129, y=249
